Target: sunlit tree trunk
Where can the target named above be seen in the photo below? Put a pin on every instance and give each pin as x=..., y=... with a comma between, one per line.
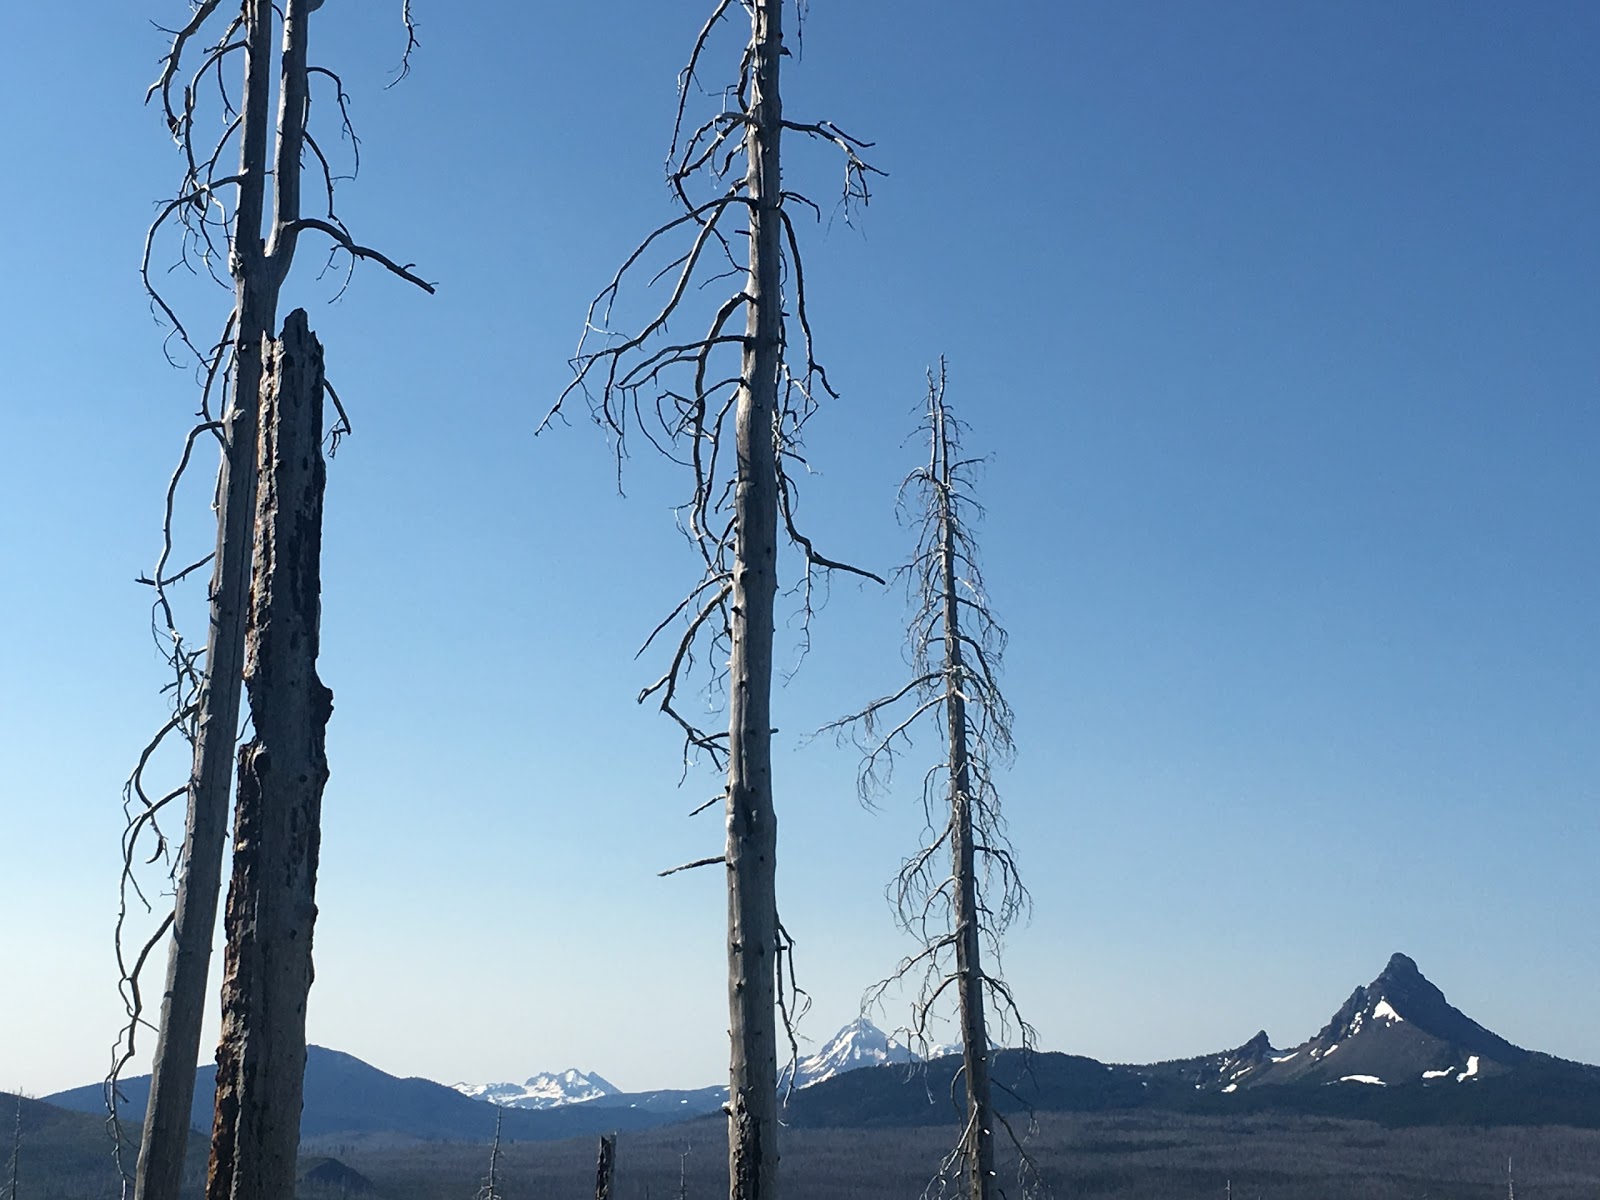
x=752, y=818
x=256, y=281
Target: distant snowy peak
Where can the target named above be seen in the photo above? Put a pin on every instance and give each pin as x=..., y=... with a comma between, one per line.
x=545, y=1090
x=859, y=1044
x=1396, y=1029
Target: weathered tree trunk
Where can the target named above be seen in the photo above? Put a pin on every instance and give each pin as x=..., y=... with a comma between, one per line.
x=752, y=819
x=979, y=1136
x=164, y=1141
x=606, y=1169
x=282, y=770
x=260, y=252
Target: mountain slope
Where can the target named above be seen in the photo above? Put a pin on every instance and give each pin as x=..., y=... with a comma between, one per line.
x=1397, y=1029
x=347, y=1096
x=61, y=1152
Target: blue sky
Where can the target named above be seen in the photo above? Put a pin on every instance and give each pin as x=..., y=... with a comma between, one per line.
x=1278, y=321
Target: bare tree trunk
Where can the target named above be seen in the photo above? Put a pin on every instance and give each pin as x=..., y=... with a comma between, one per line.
x=979, y=1136
x=260, y=252
x=606, y=1167
x=752, y=843
x=164, y=1141
x=282, y=770
x=730, y=611
x=491, y=1187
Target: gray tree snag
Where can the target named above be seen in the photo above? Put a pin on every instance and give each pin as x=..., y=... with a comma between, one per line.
x=282, y=769
x=224, y=230
x=960, y=891
x=491, y=1186
x=605, y=1171
x=701, y=410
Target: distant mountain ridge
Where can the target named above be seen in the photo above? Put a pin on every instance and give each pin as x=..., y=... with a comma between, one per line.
x=859, y=1045
x=1395, y=1051
x=346, y=1097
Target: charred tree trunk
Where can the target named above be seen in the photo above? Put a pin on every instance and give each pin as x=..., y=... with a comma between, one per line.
x=282, y=770
x=605, y=1172
x=752, y=842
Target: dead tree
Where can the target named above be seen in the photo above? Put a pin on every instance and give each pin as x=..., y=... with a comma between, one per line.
x=277, y=832
x=960, y=891
x=491, y=1186
x=242, y=229
x=729, y=405
x=605, y=1172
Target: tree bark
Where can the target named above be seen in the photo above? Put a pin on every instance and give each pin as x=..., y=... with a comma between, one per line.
x=164, y=1140
x=979, y=1136
x=282, y=770
x=752, y=840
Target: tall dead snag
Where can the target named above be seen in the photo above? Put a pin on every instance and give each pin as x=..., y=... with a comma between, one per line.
x=960, y=891
x=605, y=1171
x=223, y=229
x=743, y=397
x=278, y=822
x=491, y=1186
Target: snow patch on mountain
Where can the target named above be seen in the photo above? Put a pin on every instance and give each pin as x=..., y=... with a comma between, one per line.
x=1386, y=1010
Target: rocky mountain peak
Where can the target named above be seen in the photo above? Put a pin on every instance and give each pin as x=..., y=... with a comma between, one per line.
x=1400, y=967
x=1256, y=1048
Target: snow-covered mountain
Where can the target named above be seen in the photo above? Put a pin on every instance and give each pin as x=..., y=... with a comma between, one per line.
x=859, y=1044
x=545, y=1090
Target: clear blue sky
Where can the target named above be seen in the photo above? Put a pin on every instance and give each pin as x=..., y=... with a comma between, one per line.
x=1279, y=321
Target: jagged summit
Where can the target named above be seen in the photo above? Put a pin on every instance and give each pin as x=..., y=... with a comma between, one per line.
x=1260, y=1044
x=1400, y=967
x=1397, y=1029
x=545, y=1090
x=858, y=1044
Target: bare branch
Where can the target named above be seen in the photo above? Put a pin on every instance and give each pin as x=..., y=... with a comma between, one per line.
x=714, y=860
x=356, y=251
